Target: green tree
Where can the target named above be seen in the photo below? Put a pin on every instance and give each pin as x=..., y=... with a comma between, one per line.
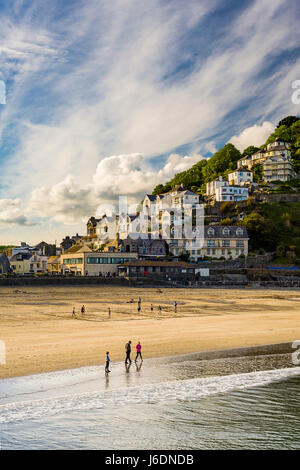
x=288, y=121
x=250, y=150
x=261, y=231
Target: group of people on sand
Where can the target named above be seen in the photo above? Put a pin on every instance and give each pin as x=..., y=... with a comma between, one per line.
x=129, y=302
x=82, y=311
x=128, y=360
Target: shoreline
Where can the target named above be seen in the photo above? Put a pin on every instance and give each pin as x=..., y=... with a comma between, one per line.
x=40, y=334
x=281, y=351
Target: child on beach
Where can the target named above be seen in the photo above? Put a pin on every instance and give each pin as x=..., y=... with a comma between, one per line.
x=107, y=363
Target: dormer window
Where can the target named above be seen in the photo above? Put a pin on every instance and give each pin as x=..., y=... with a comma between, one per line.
x=226, y=231
x=239, y=231
x=210, y=232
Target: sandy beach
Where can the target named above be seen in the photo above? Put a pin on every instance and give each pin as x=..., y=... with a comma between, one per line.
x=40, y=334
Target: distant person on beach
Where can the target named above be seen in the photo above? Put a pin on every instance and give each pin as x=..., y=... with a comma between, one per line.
x=139, y=307
x=175, y=306
x=82, y=310
x=138, y=351
x=73, y=313
x=128, y=352
x=151, y=308
x=107, y=363
x=109, y=312
x=159, y=309
x=139, y=301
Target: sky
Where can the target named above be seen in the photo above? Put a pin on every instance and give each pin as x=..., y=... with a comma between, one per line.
x=110, y=98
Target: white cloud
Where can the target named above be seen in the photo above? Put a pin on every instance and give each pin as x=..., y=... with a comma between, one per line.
x=67, y=202
x=255, y=135
x=71, y=202
x=132, y=175
x=12, y=212
x=211, y=147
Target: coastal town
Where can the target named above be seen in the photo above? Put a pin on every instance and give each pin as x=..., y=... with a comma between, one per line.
x=155, y=243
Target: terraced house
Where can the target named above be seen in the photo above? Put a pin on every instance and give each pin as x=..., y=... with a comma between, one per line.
x=221, y=241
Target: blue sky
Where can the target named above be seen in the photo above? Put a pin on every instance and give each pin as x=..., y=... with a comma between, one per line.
x=107, y=98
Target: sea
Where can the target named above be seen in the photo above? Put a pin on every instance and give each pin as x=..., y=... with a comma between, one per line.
x=168, y=403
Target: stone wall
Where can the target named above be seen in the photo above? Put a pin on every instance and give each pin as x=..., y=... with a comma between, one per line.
x=280, y=197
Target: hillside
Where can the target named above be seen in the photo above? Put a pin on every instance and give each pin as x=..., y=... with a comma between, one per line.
x=272, y=227
x=225, y=159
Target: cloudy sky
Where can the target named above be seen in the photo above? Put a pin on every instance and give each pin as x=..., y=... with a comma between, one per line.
x=108, y=98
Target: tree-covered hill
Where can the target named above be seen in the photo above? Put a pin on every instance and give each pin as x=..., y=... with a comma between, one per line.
x=225, y=159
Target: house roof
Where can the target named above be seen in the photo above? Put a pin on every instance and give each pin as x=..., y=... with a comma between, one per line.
x=21, y=256
x=278, y=147
x=78, y=249
x=225, y=231
x=277, y=159
x=53, y=259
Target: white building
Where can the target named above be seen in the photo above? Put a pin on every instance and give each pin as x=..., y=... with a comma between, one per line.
x=231, y=193
x=240, y=177
x=220, y=190
x=211, y=187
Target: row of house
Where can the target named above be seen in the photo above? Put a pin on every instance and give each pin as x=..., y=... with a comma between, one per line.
x=167, y=224
x=275, y=159
x=218, y=242
x=276, y=164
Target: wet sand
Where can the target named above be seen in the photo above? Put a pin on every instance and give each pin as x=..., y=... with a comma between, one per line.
x=40, y=335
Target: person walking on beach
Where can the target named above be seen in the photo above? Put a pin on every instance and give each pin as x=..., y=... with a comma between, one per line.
x=139, y=308
x=159, y=309
x=128, y=352
x=82, y=310
x=109, y=312
x=73, y=313
x=138, y=351
x=107, y=363
x=151, y=308
x=175, y=306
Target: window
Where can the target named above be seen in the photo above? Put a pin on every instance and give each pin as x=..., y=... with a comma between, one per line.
x=225, y=242
x=208, y=251
x=225, y=231
x=73, y=261
x=210, y=231
x=210, y=243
